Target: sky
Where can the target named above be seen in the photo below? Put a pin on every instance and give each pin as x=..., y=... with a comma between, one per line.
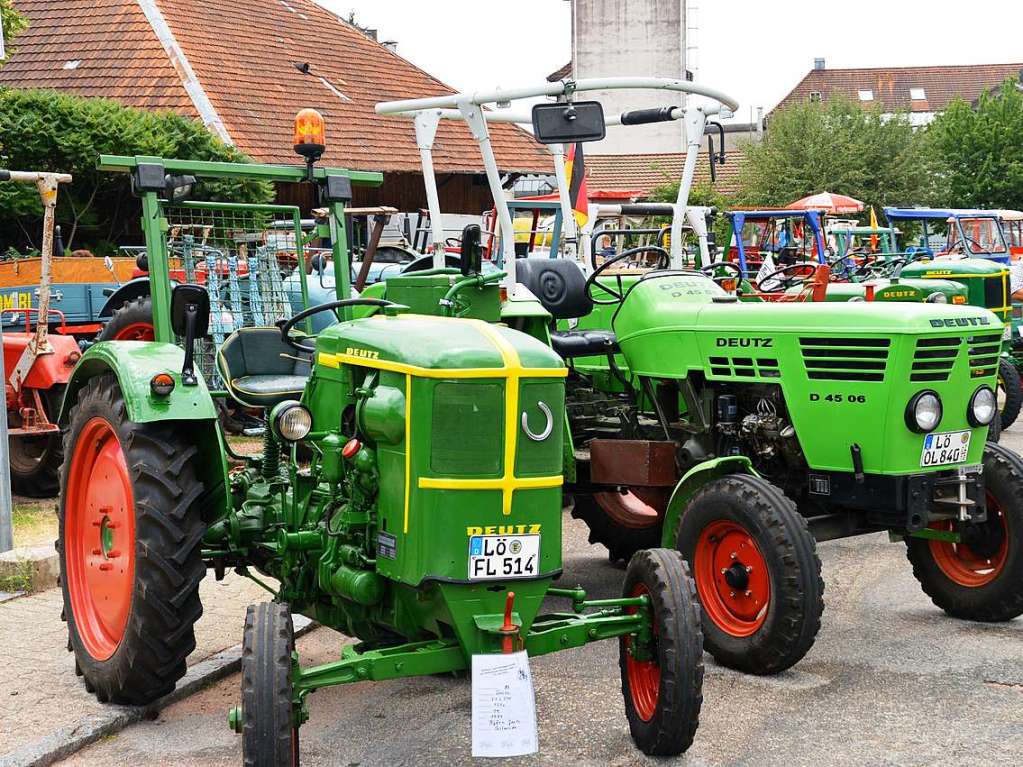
x=754, y=51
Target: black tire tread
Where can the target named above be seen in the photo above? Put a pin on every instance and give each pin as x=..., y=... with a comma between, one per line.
x=621, y=542
x=680, y=646
x=135, y=310
x=267, y=644
x=1013, y=388
x=168, y=564
x=798, y=596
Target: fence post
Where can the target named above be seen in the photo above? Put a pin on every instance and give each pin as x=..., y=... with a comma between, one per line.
x=6, y=505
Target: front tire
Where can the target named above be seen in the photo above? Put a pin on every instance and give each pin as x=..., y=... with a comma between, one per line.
x=663, y=687
x=129, y=545
x=1010, y=392
x=269, y=734
x=757, y=573
x=980, y=578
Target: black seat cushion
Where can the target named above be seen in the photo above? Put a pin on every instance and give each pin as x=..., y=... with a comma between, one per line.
x=259, y=369
x=558, y=283
x=583, y=343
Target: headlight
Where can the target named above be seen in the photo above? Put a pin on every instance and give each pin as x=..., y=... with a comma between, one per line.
x=983, y=407
x=937, y=298
x=923, y=414
x=291, y=421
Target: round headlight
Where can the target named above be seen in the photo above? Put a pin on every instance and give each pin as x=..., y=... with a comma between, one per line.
x=937, y=298
x=923, y=414
x=291, y=421
x=983, y=407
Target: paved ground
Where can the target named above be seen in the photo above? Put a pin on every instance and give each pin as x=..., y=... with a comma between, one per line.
x=890, y=681
x=39, y=692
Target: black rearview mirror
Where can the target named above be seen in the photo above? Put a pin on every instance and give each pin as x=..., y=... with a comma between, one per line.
x=190, y=319
x=563, y=123
x=178, y=188
x=472, y=253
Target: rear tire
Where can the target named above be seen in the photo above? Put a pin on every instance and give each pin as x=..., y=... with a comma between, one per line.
x=620, y=541
x=663, y=694
x=757, y=573
x=269, y=735
x=983, y=581
x=1010, y=391
x=129, y=546
x=131, y=321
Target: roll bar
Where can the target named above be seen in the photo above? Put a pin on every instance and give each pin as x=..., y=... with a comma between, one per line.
x=427, y=113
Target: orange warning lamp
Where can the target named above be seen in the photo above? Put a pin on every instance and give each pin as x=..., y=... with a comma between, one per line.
x=310, y=135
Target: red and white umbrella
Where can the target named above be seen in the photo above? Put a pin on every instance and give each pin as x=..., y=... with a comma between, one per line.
x=829, y=203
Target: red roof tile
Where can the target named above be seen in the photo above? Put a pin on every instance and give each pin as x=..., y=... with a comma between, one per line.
x=117, y=54
x=646, y=172
x=891, y=86
x=244, y=54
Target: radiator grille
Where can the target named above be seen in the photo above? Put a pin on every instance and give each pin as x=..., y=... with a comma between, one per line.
x=845, y=359
x=934, y=358
x=984, y=352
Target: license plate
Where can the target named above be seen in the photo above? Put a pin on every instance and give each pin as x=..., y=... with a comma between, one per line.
x=496, y=557
x=944, y=448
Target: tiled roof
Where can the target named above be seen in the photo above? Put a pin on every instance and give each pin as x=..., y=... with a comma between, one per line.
x=891, y=86
x=646, y=172
x=246, y=54
x=95, y=48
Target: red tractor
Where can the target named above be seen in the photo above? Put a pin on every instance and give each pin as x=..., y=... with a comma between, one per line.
x=37, y=366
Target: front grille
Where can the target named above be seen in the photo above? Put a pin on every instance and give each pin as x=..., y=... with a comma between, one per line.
x=845, y=359
x=467, y=428
x=984, y=353
x=743, y=367
x=934, y=358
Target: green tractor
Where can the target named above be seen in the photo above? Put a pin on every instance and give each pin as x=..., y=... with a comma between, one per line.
x=424, y=520
x=742, y=433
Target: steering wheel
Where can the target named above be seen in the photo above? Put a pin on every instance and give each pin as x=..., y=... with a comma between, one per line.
x=710, y=270
x=663, y=261
x=885, y=268
x=799, y=274
x=840, y=267
x=287, y=325
x=453, y=242
x=660, y=251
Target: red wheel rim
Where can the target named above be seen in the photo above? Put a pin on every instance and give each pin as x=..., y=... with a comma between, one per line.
x=644, y=675
x=635, y=509
x=136, y=331
x=732, y=578
x=961, y=564
x=99, y=539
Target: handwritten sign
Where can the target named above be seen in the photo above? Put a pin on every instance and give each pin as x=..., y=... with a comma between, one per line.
x=503, y=706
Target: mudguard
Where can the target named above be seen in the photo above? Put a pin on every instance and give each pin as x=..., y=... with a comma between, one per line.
x=693, y=480
x=135, y=364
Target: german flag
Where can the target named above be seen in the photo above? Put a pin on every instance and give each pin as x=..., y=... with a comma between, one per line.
x=575, y=171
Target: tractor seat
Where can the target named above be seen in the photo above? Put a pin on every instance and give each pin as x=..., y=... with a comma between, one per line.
x=584, y=343
x=259, y=369
x=560, y=286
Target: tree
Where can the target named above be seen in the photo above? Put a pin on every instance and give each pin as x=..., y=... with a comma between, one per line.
x=51, y=131
x=14, y=22
x=977, y=154
x=837, y=147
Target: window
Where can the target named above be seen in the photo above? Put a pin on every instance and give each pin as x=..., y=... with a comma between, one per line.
x=866, y=95
x=917, y=94
x=816, y=96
